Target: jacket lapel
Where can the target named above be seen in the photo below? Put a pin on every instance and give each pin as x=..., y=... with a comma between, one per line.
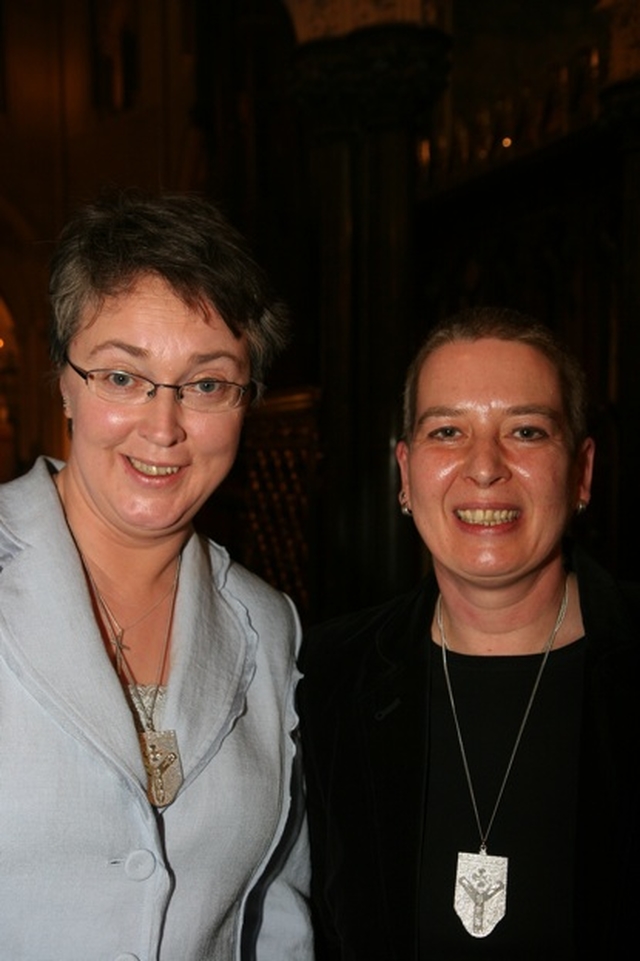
x=394, y=727
x=207, y=692
x=48, y=635
x=50, y=640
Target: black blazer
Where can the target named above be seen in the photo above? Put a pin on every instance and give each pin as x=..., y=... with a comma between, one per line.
x=364, y=723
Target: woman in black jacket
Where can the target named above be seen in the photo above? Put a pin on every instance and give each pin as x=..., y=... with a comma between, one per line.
x=471, y=745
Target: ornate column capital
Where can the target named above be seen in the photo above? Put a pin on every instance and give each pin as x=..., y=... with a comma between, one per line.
x=319, y=19
x=383, y=75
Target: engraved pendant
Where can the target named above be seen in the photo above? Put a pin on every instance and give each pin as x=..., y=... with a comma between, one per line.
x=163, y=765
x=481, y=891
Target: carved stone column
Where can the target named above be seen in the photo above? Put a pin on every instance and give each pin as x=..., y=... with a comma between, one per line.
x=620, y=100
x=366, y=98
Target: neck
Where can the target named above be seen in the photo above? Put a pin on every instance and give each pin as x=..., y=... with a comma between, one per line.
x=125, y=565
x=132, y=578
x=508, y=621
x=132, y=582
x=137, y=633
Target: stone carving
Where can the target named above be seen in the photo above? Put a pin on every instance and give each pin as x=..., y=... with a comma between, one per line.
x=318, y=19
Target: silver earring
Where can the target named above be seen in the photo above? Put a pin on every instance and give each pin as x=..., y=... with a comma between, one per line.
x=581, y=508
x=404, y=504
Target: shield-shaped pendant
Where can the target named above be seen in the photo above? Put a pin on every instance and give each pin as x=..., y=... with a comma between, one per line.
x=163, y=765
x=481, y=891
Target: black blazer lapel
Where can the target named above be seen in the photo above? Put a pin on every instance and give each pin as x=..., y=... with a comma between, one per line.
x=394, y=730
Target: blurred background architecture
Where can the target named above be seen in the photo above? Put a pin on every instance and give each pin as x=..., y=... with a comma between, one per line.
x=391, y=161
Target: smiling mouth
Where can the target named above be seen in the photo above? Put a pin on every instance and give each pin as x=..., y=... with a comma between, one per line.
x=486, y=517
x=152, y=470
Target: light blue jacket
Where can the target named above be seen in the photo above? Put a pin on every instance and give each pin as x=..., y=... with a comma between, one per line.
x=89, y=870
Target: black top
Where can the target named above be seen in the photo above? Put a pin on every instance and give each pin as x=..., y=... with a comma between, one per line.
x=535, y=823
x=371, y=762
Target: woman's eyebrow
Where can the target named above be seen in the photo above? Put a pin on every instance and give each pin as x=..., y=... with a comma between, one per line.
x=518, y=410
x=544, y=410
x=142, y=352
x=439, y=411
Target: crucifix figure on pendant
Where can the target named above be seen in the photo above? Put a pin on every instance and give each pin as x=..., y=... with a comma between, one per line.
x=481, y=891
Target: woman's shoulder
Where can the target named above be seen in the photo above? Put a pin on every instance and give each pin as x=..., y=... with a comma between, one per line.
x=30, y=509
x=610, y=603
x=350, y=634
x=253, y=591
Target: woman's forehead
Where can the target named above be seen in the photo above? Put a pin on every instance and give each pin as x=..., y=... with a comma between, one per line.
x=486, y=366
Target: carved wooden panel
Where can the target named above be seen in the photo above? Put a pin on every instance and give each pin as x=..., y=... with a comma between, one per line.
x=264, y=513
x=280, y=460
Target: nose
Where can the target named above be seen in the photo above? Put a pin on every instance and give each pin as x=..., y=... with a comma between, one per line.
x=486, y=464
x=162, y=419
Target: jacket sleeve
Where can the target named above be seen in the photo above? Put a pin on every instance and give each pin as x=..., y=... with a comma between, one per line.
x=316, y=725
x=278, y=911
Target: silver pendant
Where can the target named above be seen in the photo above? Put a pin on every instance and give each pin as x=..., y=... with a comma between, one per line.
x=163, y=765
x=481, y=891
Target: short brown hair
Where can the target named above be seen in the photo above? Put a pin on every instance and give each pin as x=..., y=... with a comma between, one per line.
x=184, y=239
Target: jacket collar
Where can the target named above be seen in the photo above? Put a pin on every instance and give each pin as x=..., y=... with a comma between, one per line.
x=609, y=607
x=50, y=640
x=48, y=635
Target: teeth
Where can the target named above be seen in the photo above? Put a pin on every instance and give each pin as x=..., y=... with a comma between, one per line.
x=487, y=517
x=152, y=470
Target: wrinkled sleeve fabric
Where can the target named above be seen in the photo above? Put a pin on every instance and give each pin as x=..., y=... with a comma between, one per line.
x=277, y=915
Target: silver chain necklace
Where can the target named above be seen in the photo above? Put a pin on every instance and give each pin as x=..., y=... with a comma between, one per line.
x=160, y=751
x=480, y=896
x=115, y=630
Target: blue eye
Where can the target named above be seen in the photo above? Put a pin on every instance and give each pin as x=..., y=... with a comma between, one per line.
x=207, y=386
x=119, y=378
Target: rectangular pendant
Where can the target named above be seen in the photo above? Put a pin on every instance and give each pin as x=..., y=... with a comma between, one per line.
x=481, y=892
x=163, y=765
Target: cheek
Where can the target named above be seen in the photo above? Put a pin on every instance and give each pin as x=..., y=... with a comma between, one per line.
x=428, y=474
x=221, y=442
x=550, y=481
x=94, y=422
x=100, y=427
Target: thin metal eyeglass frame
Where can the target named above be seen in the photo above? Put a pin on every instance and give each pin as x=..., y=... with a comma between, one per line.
x=177, y=388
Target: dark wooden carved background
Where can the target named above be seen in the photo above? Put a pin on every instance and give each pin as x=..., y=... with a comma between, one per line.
x=406, y=215
x=552, y=229
x=265, y=512
x=385, y=175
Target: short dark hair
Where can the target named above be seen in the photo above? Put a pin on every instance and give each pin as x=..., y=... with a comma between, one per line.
x=503, y=323
x=107, y=245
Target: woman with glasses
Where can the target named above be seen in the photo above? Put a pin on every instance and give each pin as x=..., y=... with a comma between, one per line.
x=148, y=772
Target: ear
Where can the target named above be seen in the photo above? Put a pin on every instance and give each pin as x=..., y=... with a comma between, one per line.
x=402, y=457
x=585, y=471
x=66, y=407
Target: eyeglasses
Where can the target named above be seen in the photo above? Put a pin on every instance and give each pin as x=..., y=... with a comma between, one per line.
x=121, y=387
